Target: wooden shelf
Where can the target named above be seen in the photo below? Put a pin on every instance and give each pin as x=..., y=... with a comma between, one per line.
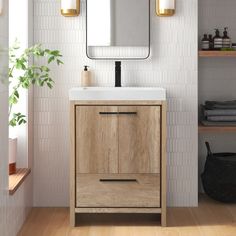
x=217, y=53
x=17, y=179
x=216, y=129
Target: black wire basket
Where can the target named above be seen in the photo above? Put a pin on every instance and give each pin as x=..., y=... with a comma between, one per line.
x=219, y=176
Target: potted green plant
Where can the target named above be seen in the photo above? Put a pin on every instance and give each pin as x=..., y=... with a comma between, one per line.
x=22, y=75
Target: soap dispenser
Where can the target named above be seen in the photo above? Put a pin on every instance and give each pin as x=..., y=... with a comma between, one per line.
x=85, y=77
x=211, y=42
x=226, y=39
x=205, y=43
x=218, y=41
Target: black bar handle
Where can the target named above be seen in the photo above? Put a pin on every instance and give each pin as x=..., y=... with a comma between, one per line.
x=108, y=113
x=118, y=113
x=118, y=180
x=128, y=113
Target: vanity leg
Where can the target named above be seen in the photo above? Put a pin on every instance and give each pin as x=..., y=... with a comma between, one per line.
x=72, y=219
x=163, y=219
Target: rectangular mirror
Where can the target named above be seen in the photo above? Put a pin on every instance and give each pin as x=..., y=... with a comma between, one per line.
x=118, y=29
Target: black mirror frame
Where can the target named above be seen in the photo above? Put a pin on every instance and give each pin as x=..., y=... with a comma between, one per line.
x=120, y=58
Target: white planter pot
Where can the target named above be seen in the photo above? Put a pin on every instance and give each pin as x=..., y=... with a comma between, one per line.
x=12, y=155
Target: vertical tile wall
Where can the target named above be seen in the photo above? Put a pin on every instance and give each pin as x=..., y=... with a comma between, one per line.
x=13, y=209
x=217, y=76
x=173, y=65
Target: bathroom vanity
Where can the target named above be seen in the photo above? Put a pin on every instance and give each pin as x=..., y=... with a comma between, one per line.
x=118, y=151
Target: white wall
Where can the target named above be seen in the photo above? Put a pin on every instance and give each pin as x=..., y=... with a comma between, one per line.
x=13, y=209
x=217, y=76
x=173, y=65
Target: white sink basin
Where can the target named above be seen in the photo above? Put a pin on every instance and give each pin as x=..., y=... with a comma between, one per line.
x=111, y=93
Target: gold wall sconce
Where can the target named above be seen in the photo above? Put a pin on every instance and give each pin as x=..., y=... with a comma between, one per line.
x=70, y=7
x=1, y=7
x=165, y=7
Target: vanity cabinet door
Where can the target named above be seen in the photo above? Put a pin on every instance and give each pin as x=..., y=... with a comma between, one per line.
x=96, y=139
x=139, y=139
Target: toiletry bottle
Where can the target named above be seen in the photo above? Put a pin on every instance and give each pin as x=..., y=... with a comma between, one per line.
x=85, y=77
x=234, y=46
x=211, y=42
x=205, y=43
x=226, y=39
x=218, y=41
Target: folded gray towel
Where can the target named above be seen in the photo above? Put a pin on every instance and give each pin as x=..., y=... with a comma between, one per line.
x=221, y=118
x=220, y=112
x=220, y=105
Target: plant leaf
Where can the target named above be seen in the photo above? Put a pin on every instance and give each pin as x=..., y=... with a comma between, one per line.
x=51, y=59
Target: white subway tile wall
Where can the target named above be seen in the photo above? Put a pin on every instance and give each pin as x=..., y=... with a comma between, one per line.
x=217, y=76
x=13, y=209
x=172, y=65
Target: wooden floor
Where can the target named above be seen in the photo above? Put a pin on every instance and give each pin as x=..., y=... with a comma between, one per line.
x=209, y=219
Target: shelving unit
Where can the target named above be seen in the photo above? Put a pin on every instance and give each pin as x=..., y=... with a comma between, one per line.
x=216, y=78
x=217, y=54
x=216, y=129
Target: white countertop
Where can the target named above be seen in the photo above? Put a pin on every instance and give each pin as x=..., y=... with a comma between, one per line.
x=117, y=93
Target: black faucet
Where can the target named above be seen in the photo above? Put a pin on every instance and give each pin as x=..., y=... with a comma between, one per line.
x=118, y=74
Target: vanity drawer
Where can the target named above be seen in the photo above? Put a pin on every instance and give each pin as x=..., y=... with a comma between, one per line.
x=118, y=190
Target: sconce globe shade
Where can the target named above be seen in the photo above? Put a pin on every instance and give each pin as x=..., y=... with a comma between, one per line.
x=165, y=7
x=70, y=7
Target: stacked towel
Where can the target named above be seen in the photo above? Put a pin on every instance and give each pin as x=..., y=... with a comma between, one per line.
x=219, y=113
x=214, y=105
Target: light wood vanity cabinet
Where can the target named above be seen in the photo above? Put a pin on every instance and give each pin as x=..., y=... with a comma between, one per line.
x=118, y=162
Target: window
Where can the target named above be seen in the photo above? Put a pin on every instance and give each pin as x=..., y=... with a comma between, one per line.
x=20, y=30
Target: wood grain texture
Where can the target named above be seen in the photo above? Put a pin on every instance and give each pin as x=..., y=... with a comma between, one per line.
x=217, y=53
x=144, y=192
x=96, y=140
x=209, y=219
x=216, y=129
x=139, y=139
x=17, y=179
